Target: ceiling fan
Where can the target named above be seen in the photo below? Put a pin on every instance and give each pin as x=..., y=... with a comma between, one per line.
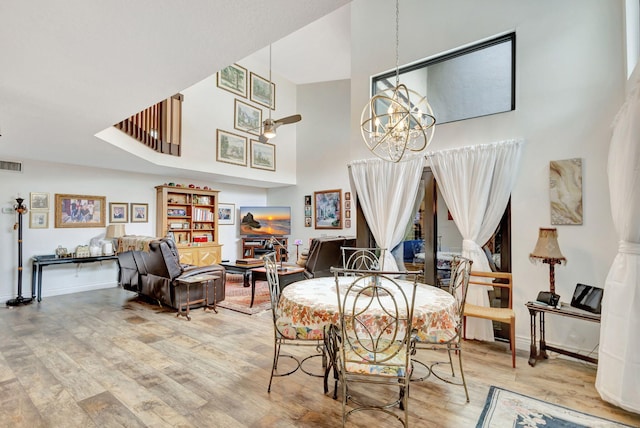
x=269, y=125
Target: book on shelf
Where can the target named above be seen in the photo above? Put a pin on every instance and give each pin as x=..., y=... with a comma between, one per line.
x=249, y=261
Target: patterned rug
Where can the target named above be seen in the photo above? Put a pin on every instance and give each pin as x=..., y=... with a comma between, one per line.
x=505, y=408
x=238, y=297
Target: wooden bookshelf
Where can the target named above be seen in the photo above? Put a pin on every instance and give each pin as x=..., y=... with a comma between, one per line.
x=190, y=216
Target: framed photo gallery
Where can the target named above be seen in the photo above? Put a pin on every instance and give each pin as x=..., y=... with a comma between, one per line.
x=234, y=147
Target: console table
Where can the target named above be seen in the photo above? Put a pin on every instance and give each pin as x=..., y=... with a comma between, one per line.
x=50, y=259
x=565, y=311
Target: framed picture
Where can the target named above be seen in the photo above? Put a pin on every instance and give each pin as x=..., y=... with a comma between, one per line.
x=347, y=196
x=307, y=222
x=38, y=219
x=347, y=204
x=233, y=79
x=118, y=212
x=347, y=214
x=226, y=213
x=231, y=148
x=307, y=199
x=263, y=155
x=39, y=201
x=247, y=118
x=262, y=91
x=139, y=213
x=307, y=211
x=328, y=209
x=80, y=211
x=347, y=224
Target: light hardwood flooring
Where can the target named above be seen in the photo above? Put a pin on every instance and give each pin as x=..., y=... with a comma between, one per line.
x=106, y=359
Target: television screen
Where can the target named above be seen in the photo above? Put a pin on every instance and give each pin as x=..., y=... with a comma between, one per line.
x=270, y=221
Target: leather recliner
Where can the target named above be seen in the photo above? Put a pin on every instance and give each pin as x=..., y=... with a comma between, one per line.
x=324, y=253
x=159, y=270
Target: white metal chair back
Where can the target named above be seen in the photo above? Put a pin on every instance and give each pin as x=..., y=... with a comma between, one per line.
x=366, y=259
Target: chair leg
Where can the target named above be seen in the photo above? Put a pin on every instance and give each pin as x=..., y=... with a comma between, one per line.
x=512, y=341
x=464, y=382
x=276, y=354
x=464, y=328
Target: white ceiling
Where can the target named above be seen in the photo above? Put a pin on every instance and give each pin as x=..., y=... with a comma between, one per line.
x=71, y=69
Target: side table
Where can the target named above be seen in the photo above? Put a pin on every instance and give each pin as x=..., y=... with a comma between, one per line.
x=204, y=281
x=565, y=311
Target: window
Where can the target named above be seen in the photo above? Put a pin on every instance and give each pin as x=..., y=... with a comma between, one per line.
x=474, y=81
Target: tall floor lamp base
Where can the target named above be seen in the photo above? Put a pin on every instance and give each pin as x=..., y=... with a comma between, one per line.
x=19, y=301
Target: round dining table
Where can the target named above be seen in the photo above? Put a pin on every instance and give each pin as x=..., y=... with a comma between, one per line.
x=311, y=305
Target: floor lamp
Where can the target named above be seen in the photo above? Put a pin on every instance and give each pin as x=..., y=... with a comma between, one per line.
x=20, y=209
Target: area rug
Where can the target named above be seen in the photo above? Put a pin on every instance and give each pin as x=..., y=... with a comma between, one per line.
x=238, y=297
x=505, y=408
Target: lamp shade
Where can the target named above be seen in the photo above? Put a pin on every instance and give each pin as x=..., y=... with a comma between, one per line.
x=115, y=231
x=547, y=247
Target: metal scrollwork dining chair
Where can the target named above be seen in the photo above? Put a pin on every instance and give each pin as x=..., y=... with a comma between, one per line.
x=374, y=329
x=359, y=258
x=287, y=334
x=449, y=339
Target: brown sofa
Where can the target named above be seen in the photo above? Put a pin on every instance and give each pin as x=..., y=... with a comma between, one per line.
x=324, y=253
x=154, y=274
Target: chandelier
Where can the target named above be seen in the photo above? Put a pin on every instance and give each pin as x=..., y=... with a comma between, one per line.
x=398, y=119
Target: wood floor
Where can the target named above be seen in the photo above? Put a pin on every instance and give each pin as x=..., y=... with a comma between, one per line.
x=106, y=359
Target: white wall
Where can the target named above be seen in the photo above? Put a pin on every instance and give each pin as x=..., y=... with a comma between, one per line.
x=322, y=155
x=116, y=186
x=570, y=74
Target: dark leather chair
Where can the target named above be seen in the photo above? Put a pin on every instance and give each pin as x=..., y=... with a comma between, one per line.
x=159, y=270
x=325, y=253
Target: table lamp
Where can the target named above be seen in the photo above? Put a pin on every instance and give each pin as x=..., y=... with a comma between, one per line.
x=547, y=250
x=114, y=231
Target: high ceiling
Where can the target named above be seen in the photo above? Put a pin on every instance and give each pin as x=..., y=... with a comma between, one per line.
x=71, y=69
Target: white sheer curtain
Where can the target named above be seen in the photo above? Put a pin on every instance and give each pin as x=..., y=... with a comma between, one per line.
x=618, y=377
x=385, y=191
x=476, y=182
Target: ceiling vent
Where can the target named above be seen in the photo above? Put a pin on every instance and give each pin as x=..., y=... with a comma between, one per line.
x=10, y=166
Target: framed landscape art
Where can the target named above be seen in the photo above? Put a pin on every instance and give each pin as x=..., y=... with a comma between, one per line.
x=247, y=118
x=263, y=155
x=262, y=92
x=233, y=79
x=231, y=148
x=39, y=200
x=328, y=209
x=80, y=211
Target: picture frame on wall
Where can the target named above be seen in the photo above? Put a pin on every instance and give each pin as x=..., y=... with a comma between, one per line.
x=226, y=214
x=262, y=91
x=328, y=204
x=233, y=78
x=80, y=210
x=39, y=200
x=231, y=148
x=347, y=224
x=139, y=213
x=39, y=219
x=118, y=212
x=263, y=155
x=247, y=118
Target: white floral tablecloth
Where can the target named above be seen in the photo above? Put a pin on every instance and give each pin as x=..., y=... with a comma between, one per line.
x=306, y=307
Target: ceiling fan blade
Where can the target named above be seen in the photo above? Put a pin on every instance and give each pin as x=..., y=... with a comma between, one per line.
x=289, y=119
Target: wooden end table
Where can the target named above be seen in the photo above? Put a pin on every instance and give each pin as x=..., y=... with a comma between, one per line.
x=203, y=280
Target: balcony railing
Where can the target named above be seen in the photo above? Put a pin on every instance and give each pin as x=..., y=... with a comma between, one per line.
x=158, y=127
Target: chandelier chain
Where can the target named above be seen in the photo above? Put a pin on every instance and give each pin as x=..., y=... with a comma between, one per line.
x=397, y=42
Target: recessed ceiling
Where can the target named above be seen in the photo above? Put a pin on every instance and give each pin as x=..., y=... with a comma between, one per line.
x=70, y=72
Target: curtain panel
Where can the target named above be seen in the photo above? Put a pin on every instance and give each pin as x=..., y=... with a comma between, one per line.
x=476, y=182
x=618, y=374
x=385, y=190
